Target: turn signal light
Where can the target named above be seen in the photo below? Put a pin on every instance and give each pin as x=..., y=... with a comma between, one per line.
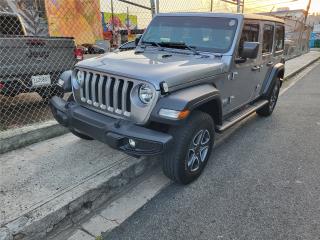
x=174, y=114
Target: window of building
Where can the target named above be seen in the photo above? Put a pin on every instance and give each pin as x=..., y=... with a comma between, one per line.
x=279, y=40
x=268, y=31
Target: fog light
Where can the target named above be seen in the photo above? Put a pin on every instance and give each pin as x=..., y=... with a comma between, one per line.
x=132, y=143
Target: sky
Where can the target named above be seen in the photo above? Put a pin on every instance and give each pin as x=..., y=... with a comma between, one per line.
x=298, y=4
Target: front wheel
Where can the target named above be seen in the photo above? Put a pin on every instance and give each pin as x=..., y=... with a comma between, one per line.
x=267, y=110
x=191, y=149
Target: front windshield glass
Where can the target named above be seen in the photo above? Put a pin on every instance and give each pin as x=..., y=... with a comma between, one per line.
x=209, y=34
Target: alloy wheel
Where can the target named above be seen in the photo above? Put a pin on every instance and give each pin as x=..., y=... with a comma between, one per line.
x=198, y=150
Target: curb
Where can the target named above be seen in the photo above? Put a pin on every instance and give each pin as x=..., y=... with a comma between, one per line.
x=21, y=137
x=68, y=208
x=300, y=69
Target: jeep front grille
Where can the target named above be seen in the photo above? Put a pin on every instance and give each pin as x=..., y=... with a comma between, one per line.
x=107, y=92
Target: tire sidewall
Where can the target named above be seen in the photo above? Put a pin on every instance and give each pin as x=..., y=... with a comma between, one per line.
x=276, y=84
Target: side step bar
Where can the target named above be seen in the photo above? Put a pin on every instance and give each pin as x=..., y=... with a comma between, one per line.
x=241, y=115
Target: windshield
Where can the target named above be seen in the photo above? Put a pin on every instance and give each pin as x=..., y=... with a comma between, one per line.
x=209, y=34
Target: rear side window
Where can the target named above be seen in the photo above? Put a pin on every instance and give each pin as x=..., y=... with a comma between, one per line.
x=250, y=33
x=268, y=31
x=10, y=25
x=279, y=39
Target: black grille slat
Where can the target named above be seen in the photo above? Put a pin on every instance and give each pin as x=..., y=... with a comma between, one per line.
x=90, y=86
x=113, y=81
x=128, y=105
x=120, y=94
x=103, y=92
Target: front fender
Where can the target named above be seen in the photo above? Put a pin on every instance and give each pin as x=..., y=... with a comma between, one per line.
x=186, y=99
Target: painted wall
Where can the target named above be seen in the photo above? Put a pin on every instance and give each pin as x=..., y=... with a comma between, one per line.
x=75, y=18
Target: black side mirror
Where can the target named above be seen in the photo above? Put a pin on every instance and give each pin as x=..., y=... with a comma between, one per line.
x=137, y=40
x=249, y=50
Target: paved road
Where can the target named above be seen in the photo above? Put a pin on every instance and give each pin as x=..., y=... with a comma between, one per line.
x=262, y=183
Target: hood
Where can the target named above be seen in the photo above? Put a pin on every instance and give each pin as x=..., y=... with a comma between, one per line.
x=157, y=66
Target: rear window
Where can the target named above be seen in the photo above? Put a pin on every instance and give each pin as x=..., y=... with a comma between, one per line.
x=267, y=38
x=279, y=39
x=10, y=25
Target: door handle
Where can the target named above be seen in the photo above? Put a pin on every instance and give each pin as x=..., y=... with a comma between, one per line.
x=255, y=68
x=269, y=63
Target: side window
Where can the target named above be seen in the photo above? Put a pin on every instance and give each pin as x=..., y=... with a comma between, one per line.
x=250, y=33
x=279, y=40
x=10, y=25
x=268, y=31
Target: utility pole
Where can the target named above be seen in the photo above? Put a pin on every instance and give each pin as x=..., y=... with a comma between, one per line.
x=238, y=6
x=303, y=25
x=157, y=6
x=307, y=11
x=211, y=6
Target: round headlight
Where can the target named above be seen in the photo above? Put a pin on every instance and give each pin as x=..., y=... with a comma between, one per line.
x=80, y=76
x=145, y=93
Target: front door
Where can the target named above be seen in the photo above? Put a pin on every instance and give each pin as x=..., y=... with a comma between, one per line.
x=244, y=75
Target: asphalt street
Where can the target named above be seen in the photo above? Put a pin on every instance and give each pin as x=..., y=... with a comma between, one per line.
x=262, y=182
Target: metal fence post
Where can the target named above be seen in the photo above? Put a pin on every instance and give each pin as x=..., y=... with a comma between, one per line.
x=153, y=8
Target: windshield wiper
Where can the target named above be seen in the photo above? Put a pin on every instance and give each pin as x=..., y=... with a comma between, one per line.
x=151, y=44
x=180, y=45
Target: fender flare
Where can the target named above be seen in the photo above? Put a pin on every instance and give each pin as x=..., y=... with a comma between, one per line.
x=187, y=99
x=268, y=83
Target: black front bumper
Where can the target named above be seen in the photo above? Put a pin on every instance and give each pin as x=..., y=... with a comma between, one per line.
x=114, y=132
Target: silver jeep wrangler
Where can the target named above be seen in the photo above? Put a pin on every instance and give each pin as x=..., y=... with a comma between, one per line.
x=190, y=76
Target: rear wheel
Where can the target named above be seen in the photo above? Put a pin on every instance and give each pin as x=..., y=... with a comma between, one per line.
x=193, y=144
x=267, y=110
x=78, y=134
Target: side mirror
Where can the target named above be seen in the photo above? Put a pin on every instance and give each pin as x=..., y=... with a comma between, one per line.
x=137, y=40
x=249, y=50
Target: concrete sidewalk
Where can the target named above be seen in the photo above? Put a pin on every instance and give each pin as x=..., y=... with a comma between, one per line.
x=293, y=66
x=51, y=185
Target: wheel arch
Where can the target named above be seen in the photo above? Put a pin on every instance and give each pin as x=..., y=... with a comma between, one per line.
x=204, y=97
x=276, y=72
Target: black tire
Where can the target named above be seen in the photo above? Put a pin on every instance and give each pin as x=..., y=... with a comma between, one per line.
x=177, y=162
x=78, y=134
x=267, y=110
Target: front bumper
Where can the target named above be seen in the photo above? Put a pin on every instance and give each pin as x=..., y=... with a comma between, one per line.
x=114, y=132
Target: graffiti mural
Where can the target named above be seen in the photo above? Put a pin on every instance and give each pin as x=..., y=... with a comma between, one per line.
x=75, y=18
x=112, y=24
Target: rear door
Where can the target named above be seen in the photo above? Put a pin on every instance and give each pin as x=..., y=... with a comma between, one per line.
x=267, y=60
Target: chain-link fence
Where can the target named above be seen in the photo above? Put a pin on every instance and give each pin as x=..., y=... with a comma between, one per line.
x=39, y=39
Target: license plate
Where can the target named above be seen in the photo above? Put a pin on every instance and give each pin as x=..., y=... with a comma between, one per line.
x=41, y=80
